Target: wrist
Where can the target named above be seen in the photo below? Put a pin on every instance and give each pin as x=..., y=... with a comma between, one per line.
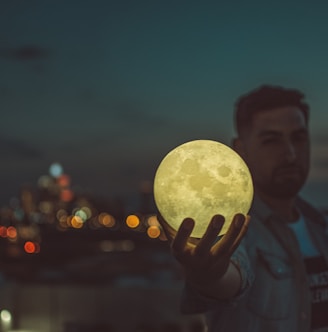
x=215, y=285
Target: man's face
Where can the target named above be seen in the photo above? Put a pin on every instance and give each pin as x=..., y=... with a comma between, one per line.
x=277, y=151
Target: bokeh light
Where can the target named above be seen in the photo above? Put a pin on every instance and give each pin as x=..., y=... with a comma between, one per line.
x=64, y=181
x=106, y=219
x=45, y=181
x=153, y=221
x=5, y=315
x=31, y=247
x=80, y=213
x=153, y=232
x=132, y=221
x=66, y=195
x=55, y=170
x=12, y=232
x=3, y=231
x=77, y=222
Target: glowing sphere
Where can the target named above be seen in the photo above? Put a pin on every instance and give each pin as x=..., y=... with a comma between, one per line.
x=199, y=179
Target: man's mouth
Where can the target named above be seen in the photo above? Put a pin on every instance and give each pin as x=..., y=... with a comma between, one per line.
x=288, y=170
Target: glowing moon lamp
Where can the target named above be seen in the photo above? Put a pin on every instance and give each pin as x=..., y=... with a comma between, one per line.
x=199, y=179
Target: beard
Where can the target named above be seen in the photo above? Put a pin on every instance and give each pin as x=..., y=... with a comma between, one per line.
x=286, y=182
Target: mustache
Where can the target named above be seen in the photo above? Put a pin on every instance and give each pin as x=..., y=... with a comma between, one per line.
x=288, y=168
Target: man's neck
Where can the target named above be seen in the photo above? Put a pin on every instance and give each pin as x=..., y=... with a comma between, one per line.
x=284, y=207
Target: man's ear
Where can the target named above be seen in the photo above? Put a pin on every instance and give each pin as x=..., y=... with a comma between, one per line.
x=238, y=146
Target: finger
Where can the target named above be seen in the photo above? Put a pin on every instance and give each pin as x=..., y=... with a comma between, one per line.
x=206, y=242
x=223, y=246
x=181, y=239
x=241, y=234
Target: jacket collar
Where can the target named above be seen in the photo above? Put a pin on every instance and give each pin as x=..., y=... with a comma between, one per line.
x=264, y=212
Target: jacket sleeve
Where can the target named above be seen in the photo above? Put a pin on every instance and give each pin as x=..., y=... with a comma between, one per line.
x=194, y=303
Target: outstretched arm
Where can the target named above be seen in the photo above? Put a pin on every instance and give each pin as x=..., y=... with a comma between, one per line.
x=206, y=261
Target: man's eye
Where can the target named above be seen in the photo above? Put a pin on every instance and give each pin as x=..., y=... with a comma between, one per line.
x=269, y=141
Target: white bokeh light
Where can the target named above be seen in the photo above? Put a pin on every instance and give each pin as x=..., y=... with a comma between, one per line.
x=55, y=170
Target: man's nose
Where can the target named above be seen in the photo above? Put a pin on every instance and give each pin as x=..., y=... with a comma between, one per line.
x=289, y=151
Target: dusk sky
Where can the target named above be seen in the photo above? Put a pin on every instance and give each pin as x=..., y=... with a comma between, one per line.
x=107, y=88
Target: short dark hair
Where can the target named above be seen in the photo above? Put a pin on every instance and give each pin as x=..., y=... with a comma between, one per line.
x=264, y=98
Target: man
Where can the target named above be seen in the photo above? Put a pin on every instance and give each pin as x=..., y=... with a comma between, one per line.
x=269, y=272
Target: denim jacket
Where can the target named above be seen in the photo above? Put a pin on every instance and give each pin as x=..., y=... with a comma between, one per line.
x=275, y=294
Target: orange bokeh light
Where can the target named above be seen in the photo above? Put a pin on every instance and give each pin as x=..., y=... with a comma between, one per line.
x=132, y=221
x=64, y=180
x=3, y=231
x=31, y=247
x=66, y=195
x=153, y=232
x=11, y=232
x=76, y=222
x=106, y=219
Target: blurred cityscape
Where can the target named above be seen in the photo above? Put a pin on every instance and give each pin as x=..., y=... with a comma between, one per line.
x=71, y=262
x=62, y=251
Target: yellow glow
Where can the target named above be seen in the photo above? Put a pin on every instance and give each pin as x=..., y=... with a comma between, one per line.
x=132, y=221
x=152, y=221
x=199, y=179
x=77, y=222
x=69, y=220
x=108, y=220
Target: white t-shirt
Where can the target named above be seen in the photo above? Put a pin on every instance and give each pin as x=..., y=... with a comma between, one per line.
x=306, y=244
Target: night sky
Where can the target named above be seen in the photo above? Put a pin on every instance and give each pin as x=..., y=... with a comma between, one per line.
x=107, y=88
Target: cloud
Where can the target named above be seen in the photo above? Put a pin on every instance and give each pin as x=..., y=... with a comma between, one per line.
x=11, y=148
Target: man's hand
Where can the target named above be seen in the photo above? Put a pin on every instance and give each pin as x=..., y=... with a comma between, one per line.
x=206, y=261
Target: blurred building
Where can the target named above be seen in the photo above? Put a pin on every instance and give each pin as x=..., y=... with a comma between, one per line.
x=75, y=263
